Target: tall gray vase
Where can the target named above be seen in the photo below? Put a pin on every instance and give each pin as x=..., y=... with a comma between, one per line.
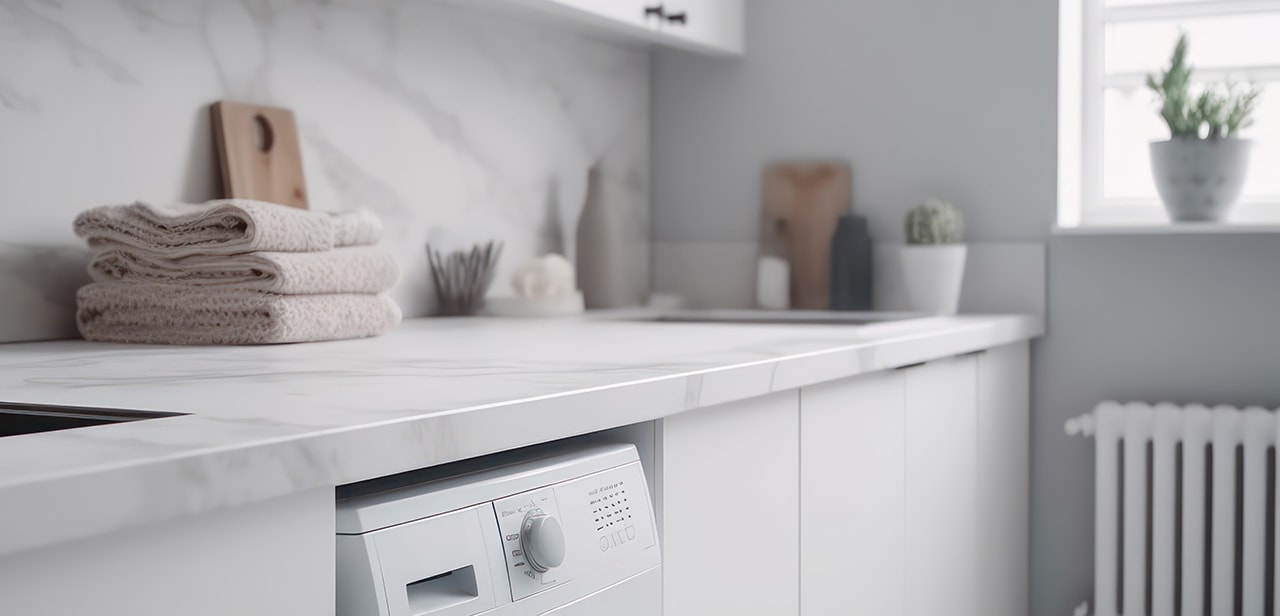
x=601, y=261
x=1199, y=180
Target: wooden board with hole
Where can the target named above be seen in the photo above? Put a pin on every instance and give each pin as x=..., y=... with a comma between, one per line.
x=258, y=153
x=802, y=204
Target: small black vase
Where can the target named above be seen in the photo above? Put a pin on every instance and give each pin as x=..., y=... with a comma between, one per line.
x=851, y=264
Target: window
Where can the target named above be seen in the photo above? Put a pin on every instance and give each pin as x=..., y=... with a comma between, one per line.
x=1108, y=116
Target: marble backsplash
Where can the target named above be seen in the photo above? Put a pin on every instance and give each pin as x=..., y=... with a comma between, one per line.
x=456, y=126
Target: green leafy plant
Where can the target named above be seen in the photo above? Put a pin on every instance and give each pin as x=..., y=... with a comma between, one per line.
x=1218, y=111
x=935, y=222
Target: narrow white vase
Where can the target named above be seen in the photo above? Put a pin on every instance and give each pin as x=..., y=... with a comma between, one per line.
x=601, y=247
x=773, y=283
x=933, y=275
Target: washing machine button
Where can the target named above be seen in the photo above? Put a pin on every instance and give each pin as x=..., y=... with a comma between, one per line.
x=542, y=540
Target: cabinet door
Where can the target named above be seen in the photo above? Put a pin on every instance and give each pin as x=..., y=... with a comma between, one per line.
x=941, y=488
x=1004, y=480
x=729, y=497
x=852, y=478
x=269, y=557
x=716, y=24
x=623, y=12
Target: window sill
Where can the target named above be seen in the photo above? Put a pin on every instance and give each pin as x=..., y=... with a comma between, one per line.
x=1183, y=228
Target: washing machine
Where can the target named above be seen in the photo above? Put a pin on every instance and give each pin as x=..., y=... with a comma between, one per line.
x=561, y=531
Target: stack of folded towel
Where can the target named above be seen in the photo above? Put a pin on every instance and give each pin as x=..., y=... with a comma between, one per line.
x=233, y=272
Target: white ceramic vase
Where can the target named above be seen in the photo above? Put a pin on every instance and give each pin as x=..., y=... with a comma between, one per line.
x=602, y=245
x=933, y=274
x=1199, y=179
x=773, y=283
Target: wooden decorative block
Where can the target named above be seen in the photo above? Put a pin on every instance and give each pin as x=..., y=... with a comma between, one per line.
x=258, y=153
x=801, y=206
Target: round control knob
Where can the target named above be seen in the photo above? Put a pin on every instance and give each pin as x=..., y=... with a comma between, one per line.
x=542, y=540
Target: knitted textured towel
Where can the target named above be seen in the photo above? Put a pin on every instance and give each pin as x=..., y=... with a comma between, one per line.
x=356, y=269
x=230, y=226
x=173, y=314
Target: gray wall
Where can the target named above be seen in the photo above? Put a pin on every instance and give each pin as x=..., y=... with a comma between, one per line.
x=957, y=99
x=921, y=95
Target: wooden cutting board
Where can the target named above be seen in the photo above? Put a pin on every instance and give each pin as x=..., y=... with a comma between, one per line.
x=258, y=153
x=802, y=204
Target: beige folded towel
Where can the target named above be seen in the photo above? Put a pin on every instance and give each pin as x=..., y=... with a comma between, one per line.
x=173, y=314
x=355, y=269
x=230, y=226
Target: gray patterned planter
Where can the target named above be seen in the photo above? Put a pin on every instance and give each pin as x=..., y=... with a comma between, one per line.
x=1199, y=179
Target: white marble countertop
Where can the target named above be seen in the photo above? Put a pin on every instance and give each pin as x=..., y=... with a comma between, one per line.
x=272, y=420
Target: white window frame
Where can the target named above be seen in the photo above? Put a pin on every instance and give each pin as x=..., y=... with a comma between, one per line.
x=1081, y=82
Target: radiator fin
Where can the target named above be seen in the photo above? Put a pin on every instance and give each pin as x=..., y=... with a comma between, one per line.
x=1164, y=511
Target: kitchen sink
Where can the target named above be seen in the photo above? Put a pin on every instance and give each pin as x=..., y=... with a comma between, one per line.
x=778, y=317
x=18, y=418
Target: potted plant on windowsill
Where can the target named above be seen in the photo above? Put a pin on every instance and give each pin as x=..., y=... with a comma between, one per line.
x=1200, y=171
x=933, y=259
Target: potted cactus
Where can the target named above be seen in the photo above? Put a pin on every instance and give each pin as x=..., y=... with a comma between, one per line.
x=1200, y=171
x=933, y=259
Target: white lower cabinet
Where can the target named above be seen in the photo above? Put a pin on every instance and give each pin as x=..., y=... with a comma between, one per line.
x=898, y=493
x=270, y=557
x=729, y=502
x=852, y=481
x=942, y=487
x=1004, y=481
x=914, y=490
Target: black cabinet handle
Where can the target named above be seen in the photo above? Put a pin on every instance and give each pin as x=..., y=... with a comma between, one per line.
x=659, y=10
x=681, y=18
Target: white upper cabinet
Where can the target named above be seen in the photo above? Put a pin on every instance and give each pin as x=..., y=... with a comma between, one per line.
x=710, y=27
x=714, y=25
x=630, y=13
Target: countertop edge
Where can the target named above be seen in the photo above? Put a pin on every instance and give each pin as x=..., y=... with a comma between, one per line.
x=57, y=509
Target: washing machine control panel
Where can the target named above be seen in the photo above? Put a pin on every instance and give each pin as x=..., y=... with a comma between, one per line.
x=552, y=535
x=513, y=513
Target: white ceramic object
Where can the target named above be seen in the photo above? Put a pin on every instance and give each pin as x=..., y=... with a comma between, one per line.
x=535, y=307
x=605, y=258
x=666, y=301
x=933, y=275
x=1199, y=179
x=548, y=276
x=773, y=283
x=544, y=287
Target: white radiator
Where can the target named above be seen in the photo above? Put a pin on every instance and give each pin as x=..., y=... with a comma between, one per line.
x=1185, y=509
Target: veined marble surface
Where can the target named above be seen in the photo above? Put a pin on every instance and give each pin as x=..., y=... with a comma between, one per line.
x=272, y=420
x=455, y=126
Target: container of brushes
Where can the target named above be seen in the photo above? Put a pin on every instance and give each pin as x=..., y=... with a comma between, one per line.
x=462, y=277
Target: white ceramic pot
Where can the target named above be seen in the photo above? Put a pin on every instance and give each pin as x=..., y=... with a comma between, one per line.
x=933, y=274
x=1199, y=179
x=773, y=283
